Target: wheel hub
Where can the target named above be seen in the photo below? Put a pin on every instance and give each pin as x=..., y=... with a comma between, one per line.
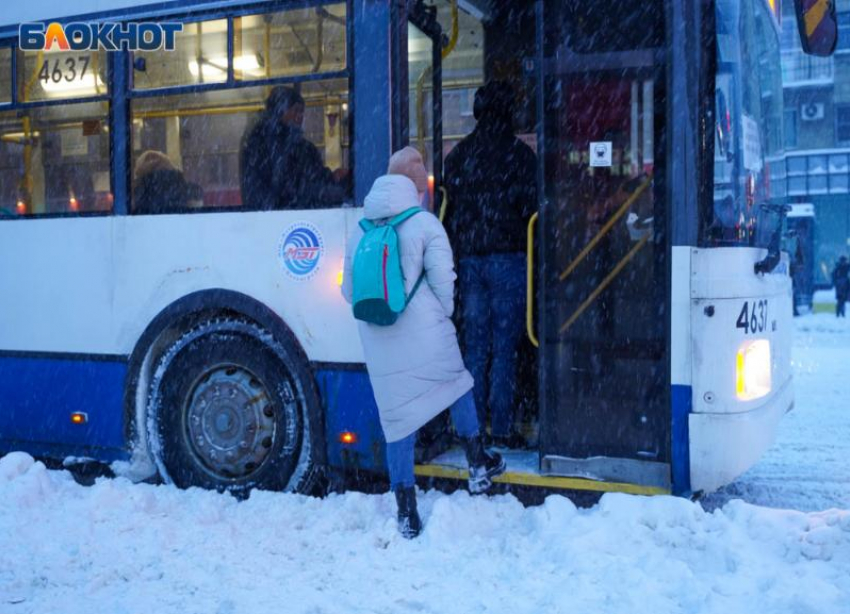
x=230, y=421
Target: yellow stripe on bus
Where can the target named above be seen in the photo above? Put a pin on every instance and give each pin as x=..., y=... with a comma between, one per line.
x=532, y=479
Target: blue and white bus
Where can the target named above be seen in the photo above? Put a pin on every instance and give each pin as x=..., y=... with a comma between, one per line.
x=206, y=341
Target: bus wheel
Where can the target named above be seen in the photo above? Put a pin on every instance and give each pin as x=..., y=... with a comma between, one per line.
x=230, y=409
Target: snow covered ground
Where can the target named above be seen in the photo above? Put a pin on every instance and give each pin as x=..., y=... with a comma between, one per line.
x=123, y=548
x=809, y=466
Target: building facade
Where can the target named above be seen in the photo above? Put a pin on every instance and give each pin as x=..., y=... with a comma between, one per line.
x=817, y=139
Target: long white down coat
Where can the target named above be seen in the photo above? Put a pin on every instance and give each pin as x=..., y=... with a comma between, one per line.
x=415, y=365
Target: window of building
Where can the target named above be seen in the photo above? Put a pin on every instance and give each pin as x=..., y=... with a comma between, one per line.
x=843, y=32
x=54, y=158
x=210, y=142
x=842, y=124
x=838, y=163
x=839, y=184
x=797, y=166
x=790, y=127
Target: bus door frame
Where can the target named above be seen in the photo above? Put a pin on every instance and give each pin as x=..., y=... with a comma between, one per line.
x=423, y=17
x=652, y=476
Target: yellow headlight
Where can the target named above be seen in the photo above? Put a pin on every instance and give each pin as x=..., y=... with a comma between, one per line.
x=753, y=370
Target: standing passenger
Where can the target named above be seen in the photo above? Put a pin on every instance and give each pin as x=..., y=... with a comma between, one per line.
x=841, y=281
x=492, y=193
x=415, y=365
x=279, y=167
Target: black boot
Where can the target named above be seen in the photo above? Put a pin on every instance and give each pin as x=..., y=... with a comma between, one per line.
x=483, y=465
x=409, y=523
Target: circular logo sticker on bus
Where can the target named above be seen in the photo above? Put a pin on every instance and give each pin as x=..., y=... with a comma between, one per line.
x=300, y=250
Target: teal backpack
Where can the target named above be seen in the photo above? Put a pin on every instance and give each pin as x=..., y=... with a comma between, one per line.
x=377, y=278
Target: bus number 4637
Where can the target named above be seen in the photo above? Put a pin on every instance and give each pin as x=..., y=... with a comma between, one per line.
x=755, y=320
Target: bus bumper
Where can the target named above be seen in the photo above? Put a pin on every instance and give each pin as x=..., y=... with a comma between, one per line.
x=723, y=446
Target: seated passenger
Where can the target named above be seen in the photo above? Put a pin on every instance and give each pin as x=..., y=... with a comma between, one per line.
x=158, y=185
x=279, y=167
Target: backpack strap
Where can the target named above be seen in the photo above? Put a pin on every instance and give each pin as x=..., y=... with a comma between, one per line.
x=407, y=213
x=367, y=225
x=395, y=221
x=415, y=288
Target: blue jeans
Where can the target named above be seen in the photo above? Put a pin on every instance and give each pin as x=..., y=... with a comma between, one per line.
x=492, y=292
x=400, y=453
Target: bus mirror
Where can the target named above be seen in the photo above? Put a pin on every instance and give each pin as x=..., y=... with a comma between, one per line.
x=818, y=26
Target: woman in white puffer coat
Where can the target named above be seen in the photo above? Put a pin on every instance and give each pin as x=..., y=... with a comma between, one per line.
x=415, y=365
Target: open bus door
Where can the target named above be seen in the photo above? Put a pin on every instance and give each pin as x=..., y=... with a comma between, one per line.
x=602, y=313
x=598, y=273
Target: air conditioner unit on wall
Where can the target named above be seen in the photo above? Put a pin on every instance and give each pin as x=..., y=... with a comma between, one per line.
x=811, y=111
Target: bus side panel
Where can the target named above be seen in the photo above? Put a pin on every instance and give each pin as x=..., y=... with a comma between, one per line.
x=38, y=396
x=56, y=350
x=56, y=284
x=160, y=259
x=349, y=406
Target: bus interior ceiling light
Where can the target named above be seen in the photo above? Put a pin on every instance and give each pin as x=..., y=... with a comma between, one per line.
x=753, y=367
x=216, y=68
x=87, y=84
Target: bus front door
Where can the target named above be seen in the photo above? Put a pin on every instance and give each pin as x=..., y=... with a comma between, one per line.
x=602, y=301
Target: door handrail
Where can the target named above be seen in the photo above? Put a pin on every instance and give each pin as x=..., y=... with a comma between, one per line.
x=444, y=207
x=529, y=287
x=605, y=229
x=602, y=285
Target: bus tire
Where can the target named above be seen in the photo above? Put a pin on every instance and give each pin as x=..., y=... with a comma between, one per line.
x=230, y=408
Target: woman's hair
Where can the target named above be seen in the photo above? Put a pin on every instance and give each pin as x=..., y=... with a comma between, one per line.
x=408, y=162
x=152, y=161
x=281, y=99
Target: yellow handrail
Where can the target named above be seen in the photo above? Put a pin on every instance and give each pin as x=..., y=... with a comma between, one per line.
x=529, y=288
x=604, y=284
x=455, y=30
x=607, y=227
x=445, y=204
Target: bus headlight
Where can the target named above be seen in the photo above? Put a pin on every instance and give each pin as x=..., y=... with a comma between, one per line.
x=753, y=370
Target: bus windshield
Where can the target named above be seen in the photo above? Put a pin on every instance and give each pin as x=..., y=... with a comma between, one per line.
x=749, y=159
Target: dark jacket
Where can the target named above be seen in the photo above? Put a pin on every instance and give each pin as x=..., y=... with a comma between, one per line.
x=161, y=191
x=840, y=278
x=280, y=169
x=492, y=190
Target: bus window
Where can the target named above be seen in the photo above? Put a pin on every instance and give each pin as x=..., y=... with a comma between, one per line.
x=293, y=42
x=5, y=75
x=54, y=75
x=749, y=157
x=200, y=56
x=55, y=159
x=194, y=143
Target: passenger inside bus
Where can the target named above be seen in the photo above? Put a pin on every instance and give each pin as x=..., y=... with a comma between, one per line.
x=279, y=167
x=159, y=186
x=492, y=187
